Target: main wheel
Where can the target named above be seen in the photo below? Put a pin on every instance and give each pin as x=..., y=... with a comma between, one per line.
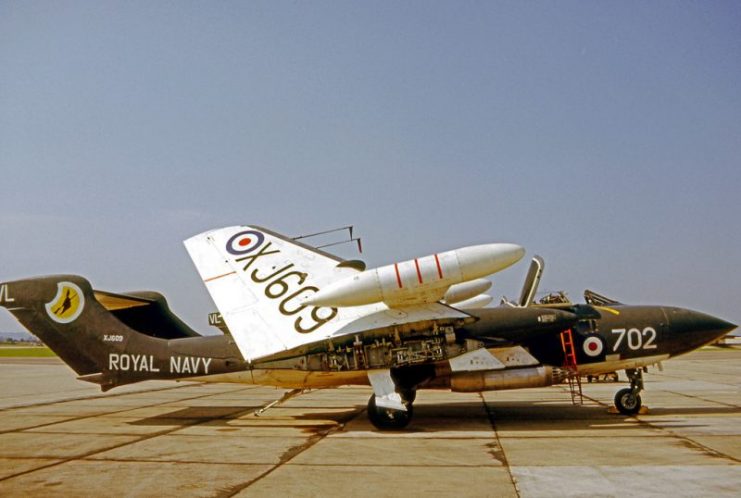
x=388, y=418
x=626, y=402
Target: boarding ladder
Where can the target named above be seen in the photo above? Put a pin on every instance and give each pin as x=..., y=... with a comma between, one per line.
x=570, y=365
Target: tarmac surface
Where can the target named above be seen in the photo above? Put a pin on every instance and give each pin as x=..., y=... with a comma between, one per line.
x=62, y=437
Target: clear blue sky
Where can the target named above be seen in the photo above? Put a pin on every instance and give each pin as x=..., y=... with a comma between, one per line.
x=605, y=136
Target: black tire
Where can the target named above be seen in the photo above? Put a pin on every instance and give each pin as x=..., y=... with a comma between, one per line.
x=387, y=418
x=626, y=402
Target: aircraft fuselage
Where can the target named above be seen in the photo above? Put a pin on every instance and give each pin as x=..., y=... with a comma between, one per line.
x=618, y=337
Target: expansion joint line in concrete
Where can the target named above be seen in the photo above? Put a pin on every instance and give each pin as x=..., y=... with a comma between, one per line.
x=660, y=375
x=498, y=442
x=728, y=405
x=289, y=455
x=96, y=396
x=689, y=442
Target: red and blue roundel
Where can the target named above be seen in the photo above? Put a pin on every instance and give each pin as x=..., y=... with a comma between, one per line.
x=244, y=242
x=593, y=345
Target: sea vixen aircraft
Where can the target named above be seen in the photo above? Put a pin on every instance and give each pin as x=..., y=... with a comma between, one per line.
x=301, y=318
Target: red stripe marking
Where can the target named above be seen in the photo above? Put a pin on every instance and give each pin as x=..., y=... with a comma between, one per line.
x=419, y=273
x=398, y=277
x=219, y=276
x=439, y=268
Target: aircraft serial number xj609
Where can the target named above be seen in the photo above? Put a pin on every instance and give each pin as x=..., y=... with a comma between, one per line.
x=301, y=318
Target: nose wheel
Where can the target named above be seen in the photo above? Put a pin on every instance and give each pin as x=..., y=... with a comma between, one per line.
x=628, y=400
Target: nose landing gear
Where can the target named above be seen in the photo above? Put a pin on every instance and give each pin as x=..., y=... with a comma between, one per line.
x=628, y=400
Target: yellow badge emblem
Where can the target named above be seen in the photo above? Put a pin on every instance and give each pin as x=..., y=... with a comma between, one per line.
x=67, y=304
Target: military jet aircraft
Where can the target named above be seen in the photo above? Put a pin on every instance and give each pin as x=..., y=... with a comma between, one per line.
x=301, y=318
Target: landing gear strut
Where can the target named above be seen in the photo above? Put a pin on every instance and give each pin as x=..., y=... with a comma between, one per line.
x=628, y=400
x=389, y=418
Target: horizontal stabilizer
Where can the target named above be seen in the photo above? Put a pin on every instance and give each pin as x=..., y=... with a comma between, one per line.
x=113, y=302
x=146, y=312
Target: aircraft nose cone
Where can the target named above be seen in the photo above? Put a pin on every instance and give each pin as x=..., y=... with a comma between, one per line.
x=721, y=325
x=708, y=323
x=697, y=328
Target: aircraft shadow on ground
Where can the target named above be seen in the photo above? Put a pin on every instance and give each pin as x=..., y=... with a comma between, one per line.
x=463, y=417
x=195, y=415
x=699, y=410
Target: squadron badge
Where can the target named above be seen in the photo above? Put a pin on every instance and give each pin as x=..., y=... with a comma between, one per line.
x=67, y=304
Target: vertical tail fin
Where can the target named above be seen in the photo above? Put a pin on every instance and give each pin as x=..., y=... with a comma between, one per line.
x=91, y=330
x=62, y=311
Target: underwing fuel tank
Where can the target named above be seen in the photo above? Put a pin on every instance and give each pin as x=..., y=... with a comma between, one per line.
x=479, y=301
x=419, y=280
x=464, y=291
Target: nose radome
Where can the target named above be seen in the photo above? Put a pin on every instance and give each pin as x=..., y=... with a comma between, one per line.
x=698, y=324
x=723, y=325
x=709, y=323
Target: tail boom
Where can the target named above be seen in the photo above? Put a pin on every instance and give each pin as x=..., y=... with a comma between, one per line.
x=100, y=343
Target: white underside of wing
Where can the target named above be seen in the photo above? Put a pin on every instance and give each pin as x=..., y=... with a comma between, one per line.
x=257, y=280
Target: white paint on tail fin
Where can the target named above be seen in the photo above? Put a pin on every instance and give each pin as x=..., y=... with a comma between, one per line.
x=257, y=279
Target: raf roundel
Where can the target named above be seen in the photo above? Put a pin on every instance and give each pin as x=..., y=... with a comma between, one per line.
x=244, y=242
x=593, y=346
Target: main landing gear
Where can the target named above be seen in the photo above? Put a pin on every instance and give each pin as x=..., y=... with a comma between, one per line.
x=628, y=400
x=389, y=418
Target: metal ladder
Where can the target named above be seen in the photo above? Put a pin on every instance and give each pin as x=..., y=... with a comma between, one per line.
x=570, y=365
